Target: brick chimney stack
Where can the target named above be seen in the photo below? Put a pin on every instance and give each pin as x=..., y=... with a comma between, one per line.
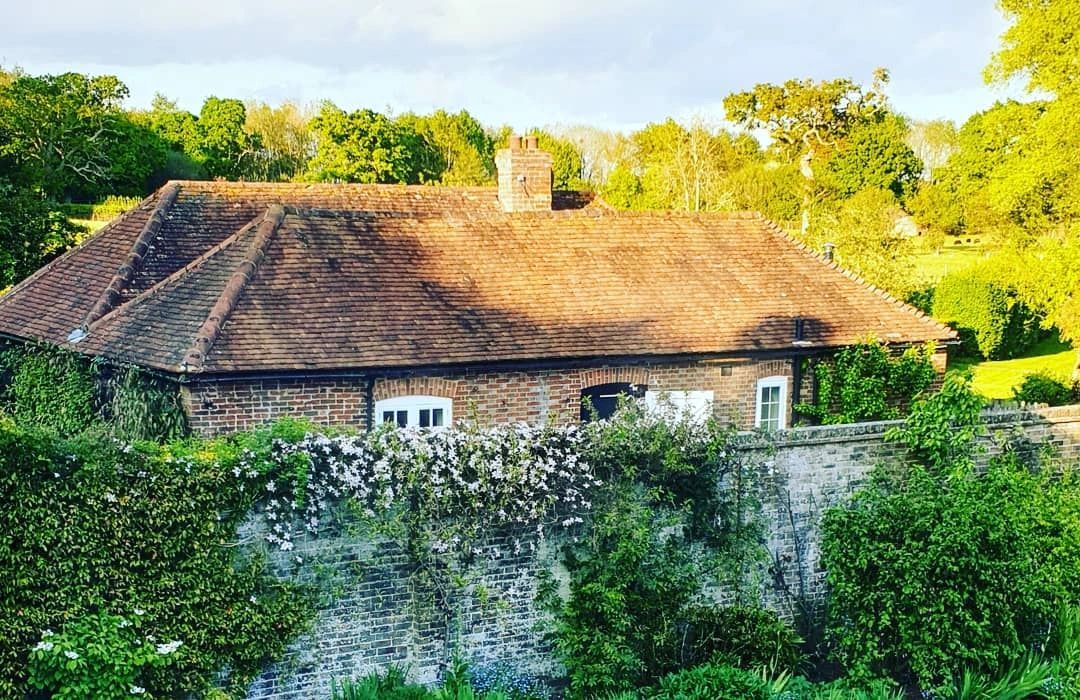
x=524, y=176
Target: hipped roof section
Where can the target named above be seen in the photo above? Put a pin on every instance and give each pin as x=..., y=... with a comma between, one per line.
x=223, y=278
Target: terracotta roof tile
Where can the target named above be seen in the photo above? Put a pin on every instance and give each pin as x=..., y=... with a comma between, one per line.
x=392, y=276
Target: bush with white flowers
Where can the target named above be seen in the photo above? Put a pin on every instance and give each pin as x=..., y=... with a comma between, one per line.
x=100, y=656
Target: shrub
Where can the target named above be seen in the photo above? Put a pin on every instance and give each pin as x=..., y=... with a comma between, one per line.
x=712, y=682
x=1042, y=387
x=989, y=316
x=741, y=636
x=99, y=656
x=799, y=688
x=945, y=568
x=659, y=534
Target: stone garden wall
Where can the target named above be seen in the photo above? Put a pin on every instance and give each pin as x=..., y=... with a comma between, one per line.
x=376, y=614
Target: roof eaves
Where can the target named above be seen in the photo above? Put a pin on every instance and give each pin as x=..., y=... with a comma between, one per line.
x=110, y=298
x=209, y=331
x=950, y=334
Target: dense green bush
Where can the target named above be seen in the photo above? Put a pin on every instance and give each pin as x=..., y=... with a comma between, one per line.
x=867, y=382
x=944, y=568
x=460, y=683
x=1042, y=387
x=991, y=319
x=712, y=682
x=99, y=656
x=741, y=636
x=91, y=526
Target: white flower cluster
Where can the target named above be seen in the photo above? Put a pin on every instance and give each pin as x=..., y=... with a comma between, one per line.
x=169, y=648
x=478, y=479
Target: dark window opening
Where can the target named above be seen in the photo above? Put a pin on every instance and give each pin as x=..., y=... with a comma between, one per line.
x=600, y=401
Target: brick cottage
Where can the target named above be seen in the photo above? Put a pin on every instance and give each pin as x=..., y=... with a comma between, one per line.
x=358, y=304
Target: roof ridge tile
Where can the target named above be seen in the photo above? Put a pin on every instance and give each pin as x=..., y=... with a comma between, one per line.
x=211, y=328
x=109, y=298
x=179, y=274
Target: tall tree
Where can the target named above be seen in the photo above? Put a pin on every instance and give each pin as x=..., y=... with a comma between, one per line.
x=366, y=146
x=284, y=138
x=808, y=119
x=932, y=141
x=462, y=150
x=59, y=130
x=222, y=143
x=874, y=154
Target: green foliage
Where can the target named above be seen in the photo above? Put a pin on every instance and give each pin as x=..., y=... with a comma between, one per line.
x=799, y=688
x=67, y=393
x=803, y=114
x=50, y=389
x=222, y=144
x=940, y=429
x=1041, y=44
x=459, y=684
x=98, y=656
x=874, y=155
x=567, y=168
x=32, y=231
x=660, y=532
x=945, y=568
x=990, y=317
x=366, y=146
x=105, y=210
x=746, y=637
x=867, y=382
x=1022, y=680
x=68, y=507
x=863, y=229
x=59, y=131
x=1041, y=387
x=712, y=682
x=1064, y=649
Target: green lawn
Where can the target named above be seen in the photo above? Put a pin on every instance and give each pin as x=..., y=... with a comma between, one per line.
x=996, y=379
x=932, y=267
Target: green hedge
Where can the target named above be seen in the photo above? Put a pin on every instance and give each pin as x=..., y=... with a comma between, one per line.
x=105, y=210
x=92, y=527
x=989, y=316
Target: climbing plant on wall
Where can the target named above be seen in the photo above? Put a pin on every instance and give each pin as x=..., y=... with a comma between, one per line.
x=867, y=382
x=68, y=393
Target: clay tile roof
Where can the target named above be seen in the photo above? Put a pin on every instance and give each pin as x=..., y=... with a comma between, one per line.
x=238, y=277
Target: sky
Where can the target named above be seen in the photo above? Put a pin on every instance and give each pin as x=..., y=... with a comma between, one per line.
x=610, y=63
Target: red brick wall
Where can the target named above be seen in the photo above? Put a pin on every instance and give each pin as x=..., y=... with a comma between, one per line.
x=496, y=397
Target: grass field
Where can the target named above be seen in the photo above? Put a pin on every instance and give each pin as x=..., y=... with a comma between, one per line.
x=996, y=379
x=933, y=266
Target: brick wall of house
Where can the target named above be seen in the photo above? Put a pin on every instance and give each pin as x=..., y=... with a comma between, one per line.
x=495, y=396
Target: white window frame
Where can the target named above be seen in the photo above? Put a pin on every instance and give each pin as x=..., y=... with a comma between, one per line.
x=412, y=405
x=694, y=405
x=780, y=382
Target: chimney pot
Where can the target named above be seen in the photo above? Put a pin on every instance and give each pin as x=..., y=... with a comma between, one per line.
x=515, y=143
x=531, y=143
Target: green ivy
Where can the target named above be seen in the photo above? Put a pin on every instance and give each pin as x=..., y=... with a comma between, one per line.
x=68, y=393
x=867, y=382
x=91, y=526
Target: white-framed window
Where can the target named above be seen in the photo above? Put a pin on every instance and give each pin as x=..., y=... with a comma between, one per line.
x=695, y=405
x=415, y=411
x=771, y=411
